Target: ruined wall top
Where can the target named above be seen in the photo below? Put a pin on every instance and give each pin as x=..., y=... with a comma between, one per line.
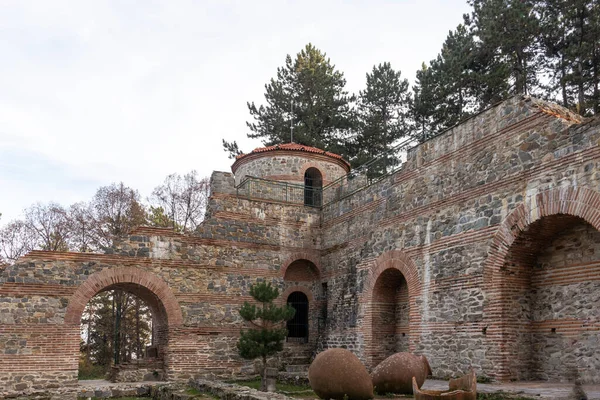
x=288, y=162
x=504, y=115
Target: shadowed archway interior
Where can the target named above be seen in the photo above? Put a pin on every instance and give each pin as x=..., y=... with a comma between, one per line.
x=390, y=315
x=298, y=326
x=313, y=185
x=551, y=299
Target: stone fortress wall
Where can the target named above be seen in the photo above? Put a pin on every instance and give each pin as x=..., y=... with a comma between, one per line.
x=482, y=250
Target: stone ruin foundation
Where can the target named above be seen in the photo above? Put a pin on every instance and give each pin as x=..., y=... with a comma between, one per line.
x=482, y=249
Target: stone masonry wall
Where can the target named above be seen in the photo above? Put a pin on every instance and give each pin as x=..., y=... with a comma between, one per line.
x=442, y=211
x=284, y=167
x=206, y=278
x=457, y=222
x=564, y=306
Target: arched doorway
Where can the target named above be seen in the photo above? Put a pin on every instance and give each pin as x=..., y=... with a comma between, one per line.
x=389, y=315
x=149, y=288
x=313, y=185
x=391, y=308
x=123, y=334
x=550, y=285
x=298, y=326
x=301, y=279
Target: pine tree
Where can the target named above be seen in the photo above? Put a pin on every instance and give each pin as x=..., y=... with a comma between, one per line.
x=307, y=96
x=457, y=77
x=554, y=43
x=117, y=326
x=266, y=335
x=507, y=31
x=570, y=38
x=423, y=109
x=383, y=111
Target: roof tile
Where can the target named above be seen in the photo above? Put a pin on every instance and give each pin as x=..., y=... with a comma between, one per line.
x=294, y=147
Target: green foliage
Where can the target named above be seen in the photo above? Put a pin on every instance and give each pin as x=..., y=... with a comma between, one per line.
x=122, y=398
x=109, y=339
x=285, y=388
x=570, y=39
x=423, y=108
x=548, y=48
x=266, y=334
x=231, y=148
x=263, y=292
x=156, y=217
x=307, y=96
x=383, y=112
x=507, y=31
x=89, y=371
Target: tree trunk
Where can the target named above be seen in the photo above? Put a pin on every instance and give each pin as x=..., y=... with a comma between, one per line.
x=520, y=72
x=581, y=106
x=117, y=334
x=263, y=378
x=563, y=83
x=138, y=341
x=596, y=78
x=89, y=330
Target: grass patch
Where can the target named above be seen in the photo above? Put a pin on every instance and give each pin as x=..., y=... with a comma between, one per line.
x=132, y=398
x=253, y=384
x=123, y=398
x=89, y=371
x=300, y=391
x=195, y=392
x=483, y=379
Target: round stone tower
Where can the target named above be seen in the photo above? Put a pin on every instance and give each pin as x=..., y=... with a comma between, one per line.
x=292, y=163
x=288, y=172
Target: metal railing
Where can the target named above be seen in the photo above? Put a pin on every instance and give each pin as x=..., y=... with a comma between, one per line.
x=259, y=188
x=376, y=169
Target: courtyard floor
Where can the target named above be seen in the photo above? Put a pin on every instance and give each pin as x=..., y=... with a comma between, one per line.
x=544, y=390
x=541, y=389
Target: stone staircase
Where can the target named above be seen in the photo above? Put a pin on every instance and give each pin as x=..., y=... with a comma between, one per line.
x=295, y=359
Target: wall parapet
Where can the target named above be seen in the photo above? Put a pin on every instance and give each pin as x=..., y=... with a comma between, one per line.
x=222, y=182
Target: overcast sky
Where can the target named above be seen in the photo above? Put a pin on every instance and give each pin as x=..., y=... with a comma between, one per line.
x=95, y=92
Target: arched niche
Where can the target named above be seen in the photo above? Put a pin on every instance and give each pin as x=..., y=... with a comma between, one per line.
x=313, y=187
x=530, y=256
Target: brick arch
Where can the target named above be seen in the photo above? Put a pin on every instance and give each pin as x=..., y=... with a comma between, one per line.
x=311, y=164
x=301, y=256
x=286, y=293
x=313, y=307
x=121, y=276
x=574, y=201
x=398, y=260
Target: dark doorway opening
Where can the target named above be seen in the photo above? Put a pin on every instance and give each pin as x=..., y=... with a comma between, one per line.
x=313, y=187
x=298, y=326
